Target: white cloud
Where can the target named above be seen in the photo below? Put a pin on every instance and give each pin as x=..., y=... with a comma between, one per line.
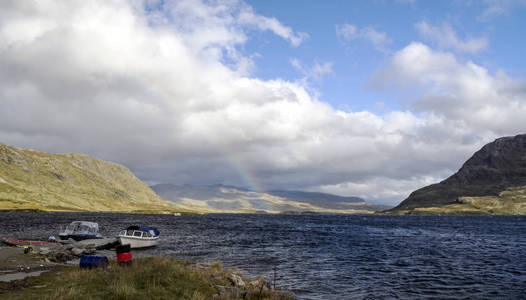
x=346, y=32
x=459, y=91
x=249, y=17
x=349, y=32
x=378, y=38
x=315, y=72
x=496, y=8
x=161, y=91
x=380, y=190
x=446, y=38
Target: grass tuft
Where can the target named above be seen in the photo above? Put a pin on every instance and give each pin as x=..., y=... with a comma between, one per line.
x=146, y=278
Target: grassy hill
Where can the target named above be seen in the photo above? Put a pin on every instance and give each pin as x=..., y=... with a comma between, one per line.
x=34, y=180
x=509, y=202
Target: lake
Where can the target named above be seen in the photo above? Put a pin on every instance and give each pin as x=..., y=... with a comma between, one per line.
x=333, y=256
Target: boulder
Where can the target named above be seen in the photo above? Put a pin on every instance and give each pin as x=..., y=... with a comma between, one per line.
x=60, y=256
x=99, y=244
x=44, y=250
x=236, y=280
x=77, y=252
x=260, y=283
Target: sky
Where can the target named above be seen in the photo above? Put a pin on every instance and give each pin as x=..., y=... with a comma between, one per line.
x=359, y=98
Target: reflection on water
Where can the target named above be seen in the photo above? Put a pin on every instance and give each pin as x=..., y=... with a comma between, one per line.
x=334, y=256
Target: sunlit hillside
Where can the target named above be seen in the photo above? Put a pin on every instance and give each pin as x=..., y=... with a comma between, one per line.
x=35, y=180
x=509, y=202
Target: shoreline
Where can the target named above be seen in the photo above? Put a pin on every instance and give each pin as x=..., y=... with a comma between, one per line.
x=164, y=276
x=422, y=212
x=198, y=213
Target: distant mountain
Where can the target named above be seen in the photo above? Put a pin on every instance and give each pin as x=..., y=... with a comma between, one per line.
x=34, y=180
x=497, y=171
x=318, y=199
x=229, y=198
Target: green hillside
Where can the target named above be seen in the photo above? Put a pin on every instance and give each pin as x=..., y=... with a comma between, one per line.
x=34, y=180
x=509, y=202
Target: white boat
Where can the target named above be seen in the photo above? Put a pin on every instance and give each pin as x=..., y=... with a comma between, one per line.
x=177, y=214
x=139, y=236
x=80, y=230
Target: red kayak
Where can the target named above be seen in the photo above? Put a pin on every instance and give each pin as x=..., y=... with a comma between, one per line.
x=15, y=242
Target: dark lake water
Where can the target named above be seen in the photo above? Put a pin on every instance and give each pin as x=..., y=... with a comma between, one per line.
x=334, y=256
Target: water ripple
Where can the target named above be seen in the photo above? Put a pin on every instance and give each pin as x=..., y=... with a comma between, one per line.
x=335, y=256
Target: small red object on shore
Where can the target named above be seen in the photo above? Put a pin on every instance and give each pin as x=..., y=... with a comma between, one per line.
x=124, y=256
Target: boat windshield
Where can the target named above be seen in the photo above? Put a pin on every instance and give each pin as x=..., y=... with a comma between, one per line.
x=84, y=228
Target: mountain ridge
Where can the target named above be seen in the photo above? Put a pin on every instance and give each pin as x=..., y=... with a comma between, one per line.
x=234, y=198
x=490, y=171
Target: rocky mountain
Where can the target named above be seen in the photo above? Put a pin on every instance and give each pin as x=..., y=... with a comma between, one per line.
x=35, y=180
x=234, y=199
x=494, y=174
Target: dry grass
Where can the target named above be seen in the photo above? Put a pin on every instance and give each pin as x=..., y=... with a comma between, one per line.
x=512, y=201
x=147, y=278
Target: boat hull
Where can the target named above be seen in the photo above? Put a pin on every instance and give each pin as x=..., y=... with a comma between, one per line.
x=79, y=237
x=15, y=242
x=138, y=242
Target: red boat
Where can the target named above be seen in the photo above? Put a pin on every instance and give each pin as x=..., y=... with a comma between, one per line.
x=15, y=242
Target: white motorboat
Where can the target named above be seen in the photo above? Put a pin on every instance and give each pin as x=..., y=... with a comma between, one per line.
x=139, y=236
x=80, y=230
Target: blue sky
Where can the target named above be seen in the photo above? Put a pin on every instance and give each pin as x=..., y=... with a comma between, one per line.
x=355, y=61
x=359, y=98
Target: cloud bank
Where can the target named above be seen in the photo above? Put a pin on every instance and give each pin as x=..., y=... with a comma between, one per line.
x=162, y=88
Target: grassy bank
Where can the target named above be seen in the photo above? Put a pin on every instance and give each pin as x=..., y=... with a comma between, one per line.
x=147, y=278
x=509, y=202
